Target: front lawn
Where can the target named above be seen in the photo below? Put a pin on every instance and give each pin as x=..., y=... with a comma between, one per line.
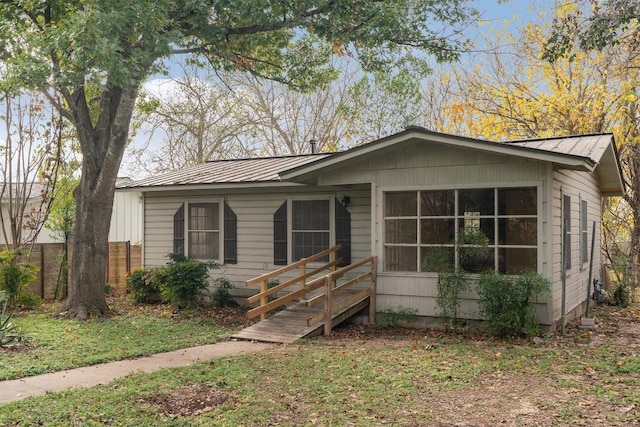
x=368, y=377
x=56, y=343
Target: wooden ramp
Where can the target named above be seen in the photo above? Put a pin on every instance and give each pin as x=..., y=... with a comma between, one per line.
x=291, y=324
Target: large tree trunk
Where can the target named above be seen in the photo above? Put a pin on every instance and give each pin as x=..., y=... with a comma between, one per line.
x=103, y=146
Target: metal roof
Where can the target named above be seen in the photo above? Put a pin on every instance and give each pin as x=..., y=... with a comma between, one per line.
x=258, y=170
x=585, y=152
x=589, y=146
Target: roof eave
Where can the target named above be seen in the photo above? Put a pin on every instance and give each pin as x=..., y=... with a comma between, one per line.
x=208, y=186
x=306, y=173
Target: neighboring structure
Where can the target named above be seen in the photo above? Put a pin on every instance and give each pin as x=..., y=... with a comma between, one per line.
x=398, y=198
x=32, y=209
x=126, y=219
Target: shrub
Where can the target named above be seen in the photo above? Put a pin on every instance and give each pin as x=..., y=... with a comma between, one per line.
x=9, y=333
x=15, y=276
x=452, y=279
x=182, y=279
x=621, y=295
x=221, y=296
x=272, y=283
x=394, y=318
x=144, y=287
x=507, y=303
x=29, y=300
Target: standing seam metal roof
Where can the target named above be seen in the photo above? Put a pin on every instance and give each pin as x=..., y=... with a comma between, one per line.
x=229, y=171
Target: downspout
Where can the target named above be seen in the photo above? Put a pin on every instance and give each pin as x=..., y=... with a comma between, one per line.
x=563, y=265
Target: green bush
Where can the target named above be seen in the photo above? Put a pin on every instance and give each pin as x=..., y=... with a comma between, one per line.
x=9, y=333
x=452, y=279
x=29, y=300
x=507, y=303
x=394, y=318
x=15, y=276
x=621, y=295
x=182, y=279
x=144, y=287
x=221, y=296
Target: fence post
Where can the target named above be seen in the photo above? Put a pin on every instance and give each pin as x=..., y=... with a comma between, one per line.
x=327, y=303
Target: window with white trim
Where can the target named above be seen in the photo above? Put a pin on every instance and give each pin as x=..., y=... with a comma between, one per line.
x=419, y=222
x=203, y=231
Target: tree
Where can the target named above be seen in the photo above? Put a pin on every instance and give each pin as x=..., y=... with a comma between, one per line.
x=29, y=167
x=516, y=94
x=594, y=25
x=193, y=118
x=97, y=54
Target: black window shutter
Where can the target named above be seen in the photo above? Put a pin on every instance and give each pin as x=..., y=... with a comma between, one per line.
x=343, y=233
x=280, y=235
x=230, y=235
x=178, y=231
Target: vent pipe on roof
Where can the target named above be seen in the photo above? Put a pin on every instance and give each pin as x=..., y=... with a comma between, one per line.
x=313, y=146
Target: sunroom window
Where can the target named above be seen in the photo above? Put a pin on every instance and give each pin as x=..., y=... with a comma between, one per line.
x=420, y=222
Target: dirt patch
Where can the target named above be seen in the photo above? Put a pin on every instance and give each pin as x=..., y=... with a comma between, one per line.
x=189, y=400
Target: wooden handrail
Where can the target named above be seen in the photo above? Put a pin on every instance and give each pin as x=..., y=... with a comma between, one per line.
x=281, y=271
x=293, y=281
x=304, y=288
x=328, y=280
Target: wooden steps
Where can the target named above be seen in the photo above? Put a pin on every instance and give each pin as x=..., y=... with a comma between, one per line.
x=290, y=324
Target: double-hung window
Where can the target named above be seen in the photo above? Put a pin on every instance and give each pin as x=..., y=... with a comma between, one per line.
x=303, y=227
x=198, y=228
x=417, y=223
x=310, y=227
x=203, y=228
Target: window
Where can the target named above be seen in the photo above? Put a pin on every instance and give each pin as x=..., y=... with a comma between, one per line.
x=178, y=231
x=584, y=233
x=309, y=230
x=204, y=231
x=566, y=226
x=198, y=235
x=417, y=223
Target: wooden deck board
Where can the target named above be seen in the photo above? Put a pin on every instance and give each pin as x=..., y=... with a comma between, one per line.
x=290, y=324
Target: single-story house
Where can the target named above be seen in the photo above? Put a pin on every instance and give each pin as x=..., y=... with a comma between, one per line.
x=398, y=198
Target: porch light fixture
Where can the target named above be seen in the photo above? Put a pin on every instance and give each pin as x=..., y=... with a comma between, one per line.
x=345, y=201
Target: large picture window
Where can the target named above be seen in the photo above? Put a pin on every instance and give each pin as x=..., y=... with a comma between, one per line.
x=204, y=231
x=419, y=222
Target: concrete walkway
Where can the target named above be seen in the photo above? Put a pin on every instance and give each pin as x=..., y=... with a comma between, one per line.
x=100, y=374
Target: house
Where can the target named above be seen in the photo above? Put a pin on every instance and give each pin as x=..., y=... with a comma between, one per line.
x=126, y=219
x=398, y=198
x=26, y=200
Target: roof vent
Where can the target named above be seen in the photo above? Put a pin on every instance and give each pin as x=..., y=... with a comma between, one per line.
x=313, y=146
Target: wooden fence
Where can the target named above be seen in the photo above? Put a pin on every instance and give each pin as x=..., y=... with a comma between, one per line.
x=123, y=258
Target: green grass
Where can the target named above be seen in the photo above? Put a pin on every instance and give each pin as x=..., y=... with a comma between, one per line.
x=61, y=343
x=361, y=383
